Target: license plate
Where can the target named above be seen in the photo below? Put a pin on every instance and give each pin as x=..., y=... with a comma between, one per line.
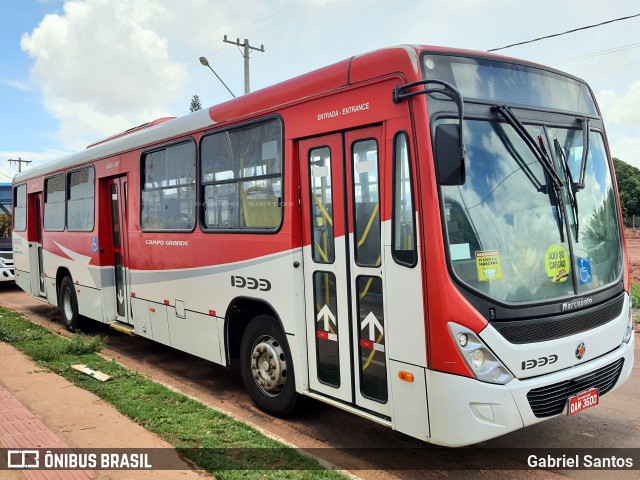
x=582, y=401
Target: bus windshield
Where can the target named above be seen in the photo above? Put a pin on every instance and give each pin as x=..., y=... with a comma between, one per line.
x=509, y=237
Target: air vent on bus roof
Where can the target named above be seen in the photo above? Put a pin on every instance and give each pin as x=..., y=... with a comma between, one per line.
x=132, y=130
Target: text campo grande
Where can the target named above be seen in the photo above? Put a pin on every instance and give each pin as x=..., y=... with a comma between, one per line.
x=99, y=461
x=579, y=461
x=345, y=111
x=169, y=243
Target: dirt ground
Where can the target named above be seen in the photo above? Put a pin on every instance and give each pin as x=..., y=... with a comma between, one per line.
x=633, y=247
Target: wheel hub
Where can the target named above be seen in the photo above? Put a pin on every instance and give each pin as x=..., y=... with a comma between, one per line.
x=268, y=366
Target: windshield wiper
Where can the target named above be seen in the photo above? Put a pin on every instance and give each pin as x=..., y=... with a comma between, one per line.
x=573, y=187
x=541, y=155
x=585, y=152
x=537, y=151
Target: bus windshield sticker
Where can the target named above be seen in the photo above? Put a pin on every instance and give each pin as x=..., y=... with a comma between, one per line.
x=556, y=263
x=584, y=270
x=488, y=265
x=460, y=251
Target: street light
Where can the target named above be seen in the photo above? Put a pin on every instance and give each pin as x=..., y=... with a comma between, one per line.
x=205, y=62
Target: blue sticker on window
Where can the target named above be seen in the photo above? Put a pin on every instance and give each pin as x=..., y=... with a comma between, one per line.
x=584, y=270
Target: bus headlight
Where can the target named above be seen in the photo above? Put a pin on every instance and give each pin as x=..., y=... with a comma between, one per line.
x=477, y=360
x=482, y=362
x=629, y=331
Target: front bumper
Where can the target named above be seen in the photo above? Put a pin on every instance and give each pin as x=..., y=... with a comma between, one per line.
x=464, y=411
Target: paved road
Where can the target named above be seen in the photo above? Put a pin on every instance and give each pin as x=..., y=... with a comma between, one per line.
x=614, y=423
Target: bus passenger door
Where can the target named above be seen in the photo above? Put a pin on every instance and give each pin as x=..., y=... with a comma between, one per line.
x=325, y=277
x=117, y=189
x=342, y=254
x=36, y=262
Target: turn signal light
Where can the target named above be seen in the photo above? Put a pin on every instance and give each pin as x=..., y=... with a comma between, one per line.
x=406, y=376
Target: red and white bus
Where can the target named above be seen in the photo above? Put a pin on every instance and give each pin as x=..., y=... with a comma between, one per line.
x=429, y=238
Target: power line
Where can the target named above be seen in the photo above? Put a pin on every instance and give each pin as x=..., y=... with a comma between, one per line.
x=596, y=54
x=564, y=33
x=319, y=24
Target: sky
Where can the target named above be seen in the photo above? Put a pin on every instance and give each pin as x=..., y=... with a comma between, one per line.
x=76, y=71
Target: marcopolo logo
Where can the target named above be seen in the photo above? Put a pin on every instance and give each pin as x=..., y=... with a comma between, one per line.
x=583, y=302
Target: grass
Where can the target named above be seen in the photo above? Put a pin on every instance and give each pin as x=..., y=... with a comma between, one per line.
x=635, y=295
x=241, y=451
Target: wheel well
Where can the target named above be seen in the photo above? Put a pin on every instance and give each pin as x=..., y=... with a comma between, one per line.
x=62, y=272
x=240, y=312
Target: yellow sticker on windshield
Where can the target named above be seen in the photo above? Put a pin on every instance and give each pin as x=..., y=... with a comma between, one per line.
x=556, y=263
x=488, y=265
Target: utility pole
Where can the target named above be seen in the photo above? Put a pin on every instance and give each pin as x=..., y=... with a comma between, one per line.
x=245, y=54
x=19, y=161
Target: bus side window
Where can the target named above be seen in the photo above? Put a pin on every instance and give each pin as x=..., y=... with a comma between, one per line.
x=20, y=208
x=80, y=200
x=169, y=188
x=241, y=177
x=54, y=203
x=403, y=227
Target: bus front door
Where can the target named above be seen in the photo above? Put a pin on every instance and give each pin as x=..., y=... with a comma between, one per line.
x=117, y=189
x=340, y=204
x=36, y=260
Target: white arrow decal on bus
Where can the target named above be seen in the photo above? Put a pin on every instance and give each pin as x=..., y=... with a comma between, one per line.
x=372, y=322
x=326, y=315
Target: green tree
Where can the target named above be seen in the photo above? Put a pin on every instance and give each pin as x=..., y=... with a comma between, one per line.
x=628, y=179
x=195, y=104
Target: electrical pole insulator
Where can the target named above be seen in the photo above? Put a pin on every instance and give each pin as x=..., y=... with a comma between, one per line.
x=19, y=161
x=246, y=51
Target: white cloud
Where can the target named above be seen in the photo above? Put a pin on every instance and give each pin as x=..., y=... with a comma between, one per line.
x=21, y=85
x=626, y=148
x=102, y=67
x=621, y=114
x=622, y=109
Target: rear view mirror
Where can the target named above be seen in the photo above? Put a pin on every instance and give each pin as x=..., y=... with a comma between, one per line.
x=450, y=155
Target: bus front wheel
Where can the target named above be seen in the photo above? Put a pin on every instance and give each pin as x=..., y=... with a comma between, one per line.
x=68, y=304
x=267, y=367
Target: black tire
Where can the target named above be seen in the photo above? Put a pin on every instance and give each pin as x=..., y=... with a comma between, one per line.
x=269, y=377
x=68, y=304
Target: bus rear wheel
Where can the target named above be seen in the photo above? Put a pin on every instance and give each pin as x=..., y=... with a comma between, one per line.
x=68, y=304
x=267, y=367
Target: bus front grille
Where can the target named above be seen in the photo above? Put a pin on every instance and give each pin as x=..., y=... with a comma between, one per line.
x=551, y=399
x=541, y=330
